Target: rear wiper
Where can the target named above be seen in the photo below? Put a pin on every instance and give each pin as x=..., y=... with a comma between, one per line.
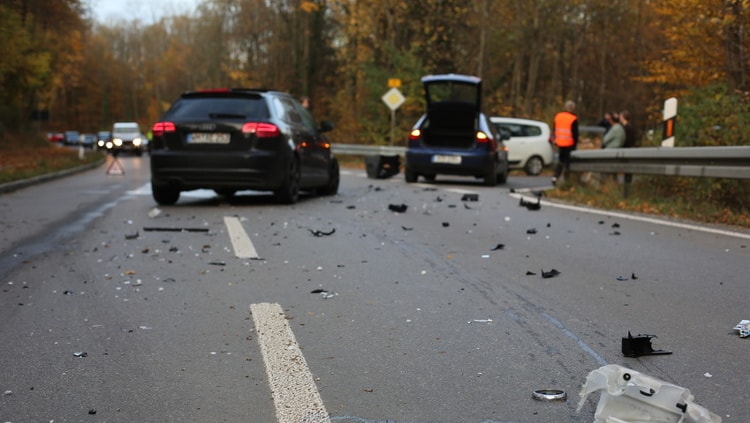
x=225, y=116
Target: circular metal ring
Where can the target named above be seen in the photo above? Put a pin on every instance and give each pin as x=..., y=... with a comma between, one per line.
x=549, y=395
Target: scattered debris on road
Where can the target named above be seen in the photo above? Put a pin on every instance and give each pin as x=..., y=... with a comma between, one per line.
x=551, y=274
x=629, y=396
x=470, y=197
x=156, y=229
x=319, y=234
x=498, y=247
x=323, y=293
x=549, y=395
x=398, y=208
x=636, y=346
x=743, y=327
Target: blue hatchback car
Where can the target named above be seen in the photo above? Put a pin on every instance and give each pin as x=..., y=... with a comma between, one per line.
x=454, y=137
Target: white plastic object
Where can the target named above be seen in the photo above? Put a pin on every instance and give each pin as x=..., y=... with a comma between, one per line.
x=628, y=396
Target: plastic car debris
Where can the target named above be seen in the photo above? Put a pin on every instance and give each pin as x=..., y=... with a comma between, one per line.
x=446, y=224
x=628, y=396
x=132, y=236
x=498, y=247
x=155, y=229
x=530, y=205
x=470, y=197
x=743, y=327
x=319, y=234
x=80, y=354
x=480, y=321
x=407, y=228
x=551, y=274
x=531, y=231
x=549, y=395
x=636, y=346
x=530, y=273
x=397, y=208
x=323, y=293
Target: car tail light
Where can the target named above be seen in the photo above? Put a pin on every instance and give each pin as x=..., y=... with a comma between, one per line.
x=482, y=137
x=415, y=134
x=261, y=130
x=161, y=128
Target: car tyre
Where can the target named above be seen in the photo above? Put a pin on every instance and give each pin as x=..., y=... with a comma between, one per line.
x=490, y=178
x=430, y=177
x=534, y=166
x=164, y=194
x=288, y=192
x=502, y=177
x=334, y=178
x=410, y=176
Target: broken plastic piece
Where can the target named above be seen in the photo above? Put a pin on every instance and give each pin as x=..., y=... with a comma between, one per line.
x=743, y=327
x=470, y=197
x=132, y=236
x=446, y=224
x=531, y=231
x=319, y=234
x=636, y=346
x=80, y=354
x=628, y=396
x=549, y=395
x=531, y=205
x=398, y=208
x=551, y=274
x=498, y=247
x=151, y=229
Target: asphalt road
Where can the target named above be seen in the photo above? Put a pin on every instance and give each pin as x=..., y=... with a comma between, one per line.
x=339, y=309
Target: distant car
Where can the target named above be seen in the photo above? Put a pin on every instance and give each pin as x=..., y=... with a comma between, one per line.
x=126, y=136
x=56, y=137
x=454, y=137
x=88, y=140
x=102, y=137
x=238, y=139
x=71, y=137
x=529, y=146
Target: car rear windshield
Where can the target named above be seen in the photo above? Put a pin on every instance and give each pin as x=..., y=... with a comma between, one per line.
x=218, y=108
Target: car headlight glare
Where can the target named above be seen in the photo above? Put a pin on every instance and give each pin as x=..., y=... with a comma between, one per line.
x=136, y=142
x=117, y=142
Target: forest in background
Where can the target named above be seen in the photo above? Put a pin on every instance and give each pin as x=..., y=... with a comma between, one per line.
x=532, y=55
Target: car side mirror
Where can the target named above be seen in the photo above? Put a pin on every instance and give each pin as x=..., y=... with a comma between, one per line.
x=326, y=126
x=504, y=134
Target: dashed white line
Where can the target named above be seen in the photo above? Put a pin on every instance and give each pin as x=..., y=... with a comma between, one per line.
x=243, y=247
x=295, y=395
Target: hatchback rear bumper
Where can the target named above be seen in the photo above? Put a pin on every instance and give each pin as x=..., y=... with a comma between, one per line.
x=187, y=170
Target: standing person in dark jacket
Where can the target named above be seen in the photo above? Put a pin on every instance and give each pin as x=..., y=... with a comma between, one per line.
x=565, y=132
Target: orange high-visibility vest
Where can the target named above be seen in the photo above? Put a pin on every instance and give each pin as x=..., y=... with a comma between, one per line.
x=564, y=129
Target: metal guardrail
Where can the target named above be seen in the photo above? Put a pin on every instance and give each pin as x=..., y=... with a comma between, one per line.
x=712, y=162
x=368, y=150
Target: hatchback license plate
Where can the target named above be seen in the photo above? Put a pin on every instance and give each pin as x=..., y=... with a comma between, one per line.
x=208, y=138
x=446, y=159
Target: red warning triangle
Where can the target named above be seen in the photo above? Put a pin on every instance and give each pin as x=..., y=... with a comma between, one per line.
x=115, y=168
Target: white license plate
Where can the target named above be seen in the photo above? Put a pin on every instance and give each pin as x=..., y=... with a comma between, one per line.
x=446, y=159
x=208, y=138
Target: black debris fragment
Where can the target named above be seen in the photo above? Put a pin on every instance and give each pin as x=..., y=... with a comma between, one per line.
x=498, y=247
x=446, y=224
x=68, y=292
x=636, y=346
x=622, y=278
x=601, y=222
x=530, y=205
x=155, y=229
x=397, y=208
x=217, y=263
x=470, y=197
x=633, y=276
x=323, y=293
x=319, y=234
x=530, y=273
x=551, y=274
x=80, y=354
x=92, y=411
x=407, y=228
x=132, y=236
x=466, y=206
x=531, y=231
x=615, y=233
x=438, y=199
x=615, y=225
x=351, y=207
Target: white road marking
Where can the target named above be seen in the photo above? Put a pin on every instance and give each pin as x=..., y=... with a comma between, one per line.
x=243, y=247
x=643, y=219
x=295, y=395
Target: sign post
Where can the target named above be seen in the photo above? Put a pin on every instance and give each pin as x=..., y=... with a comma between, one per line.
x=393, y=99
x=670, y=120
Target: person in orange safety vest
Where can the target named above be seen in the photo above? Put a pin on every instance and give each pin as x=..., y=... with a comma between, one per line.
x=565, y=133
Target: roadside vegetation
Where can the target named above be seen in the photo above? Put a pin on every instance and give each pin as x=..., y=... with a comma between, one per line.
x=28, y=155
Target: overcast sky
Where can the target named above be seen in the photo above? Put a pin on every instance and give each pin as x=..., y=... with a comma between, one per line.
x=147, y=11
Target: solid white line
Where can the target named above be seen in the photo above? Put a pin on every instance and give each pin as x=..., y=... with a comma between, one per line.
x=294, y=392
x=243, y=247
x=643, y=219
